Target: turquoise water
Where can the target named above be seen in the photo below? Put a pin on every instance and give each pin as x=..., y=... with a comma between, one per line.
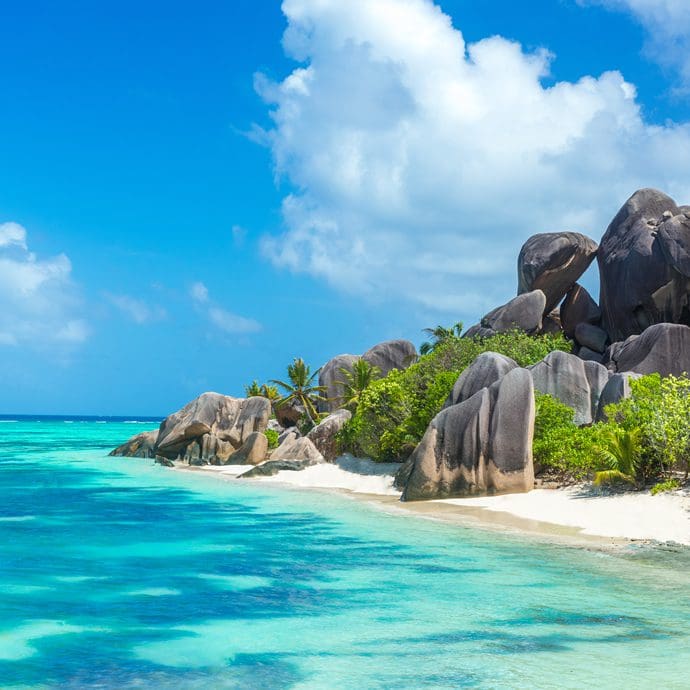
x=115, y=573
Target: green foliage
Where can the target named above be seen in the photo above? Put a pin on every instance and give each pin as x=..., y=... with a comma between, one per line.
x=668, y=485
x=439, y=334
x=660, y=409
x=261, y=391
x=300, y=388
x=355, y=382
x=272, y=436
x=394, y=412
x=619, y=451
x=612, y=478
x=560, y=446
x=253, y=389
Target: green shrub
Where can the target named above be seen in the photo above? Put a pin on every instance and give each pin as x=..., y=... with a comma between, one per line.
x=560, y=446
x=660, y=409
x=668, y=485
x=394, y=412
x=272, y=436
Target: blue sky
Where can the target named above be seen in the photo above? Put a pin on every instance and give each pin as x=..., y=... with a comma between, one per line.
x=188, y=200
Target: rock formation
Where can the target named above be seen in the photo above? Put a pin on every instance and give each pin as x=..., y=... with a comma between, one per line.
x=485, y=370
x=391, y=354
x=578, y=307
x=617, y=388
x=663, y=348
x=481, y=446
x=574, y=382
x=252, y=452
x=523, y=313
x=296, y=448
x=330, y=378
x=643, y=266
x=139, y=446
x=324, y=436
x=553, y=262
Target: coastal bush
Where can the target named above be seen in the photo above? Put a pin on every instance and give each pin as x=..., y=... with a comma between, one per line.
x=272, y=437
x=668, y=485
x=560, y=447
x=660, y=409
x=394, y=412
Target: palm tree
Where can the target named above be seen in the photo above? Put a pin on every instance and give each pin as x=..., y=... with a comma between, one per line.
x=439, y=334
x=270, y=392
x=300, y=389
x=253, y=389
x=619, y=451
x=356, y=381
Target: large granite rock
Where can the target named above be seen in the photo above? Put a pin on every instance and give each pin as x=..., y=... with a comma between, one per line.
x=295, y=448
x=663, y=348
x=485, y=370
x=617, y=388
x=331, y=377
x=574, y=382
x=643, y=266
x=272, y=467
x=140, y=446
x=228, y=419
x=252, y=452
x=523, y=313
x=392, y=354
x=324, y=436
x=481, y=446
x=553, y=262
x=578, y=307
x=591, y=336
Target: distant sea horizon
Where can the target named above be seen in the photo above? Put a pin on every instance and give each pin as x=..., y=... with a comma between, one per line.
x=119, y=419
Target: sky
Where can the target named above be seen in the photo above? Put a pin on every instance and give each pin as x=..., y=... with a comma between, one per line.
x=191, y=195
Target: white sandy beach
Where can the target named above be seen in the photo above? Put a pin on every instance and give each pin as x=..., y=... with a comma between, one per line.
x=629, y=516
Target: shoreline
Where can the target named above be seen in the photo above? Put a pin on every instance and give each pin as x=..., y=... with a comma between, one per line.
x=572, y=517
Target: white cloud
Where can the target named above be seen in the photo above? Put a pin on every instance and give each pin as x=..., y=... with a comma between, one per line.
x=223, y=319
x=199, y=293
x=668, y=26
x=136, y=309
x=37, y=297
x=419, y=164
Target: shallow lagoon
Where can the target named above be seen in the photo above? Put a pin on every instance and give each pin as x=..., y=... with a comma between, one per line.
x=115, y=573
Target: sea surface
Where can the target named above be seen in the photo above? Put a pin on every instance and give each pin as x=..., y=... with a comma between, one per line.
x=116, y=573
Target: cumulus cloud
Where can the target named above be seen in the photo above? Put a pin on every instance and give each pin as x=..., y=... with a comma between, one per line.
x=221, y=318
x=136, y=309
x=419, y=163
x=37, y=298
x=668, y=27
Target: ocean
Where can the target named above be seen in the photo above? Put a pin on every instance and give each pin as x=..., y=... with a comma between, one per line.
x=117, y=573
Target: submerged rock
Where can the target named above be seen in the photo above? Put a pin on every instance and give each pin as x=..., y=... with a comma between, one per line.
x=480, y=446
x=553, y=262
x=140, y=446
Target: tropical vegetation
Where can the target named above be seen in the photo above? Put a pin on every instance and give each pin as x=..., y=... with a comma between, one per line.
x=299, y=389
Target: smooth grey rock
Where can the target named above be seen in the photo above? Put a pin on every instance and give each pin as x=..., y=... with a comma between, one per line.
x=674, y=238
x=617, y=388
x=272, y=467
x=293, y=430
x=139, y=446
x=252, y=452
x=551, y=323
x=481, y=446
x=578, y=307
x=293, y=448
x=591, y=336
x=639, y=287
x=324, y=435
x=553, y=262
x=571, y=380
x=523, y=313
x=590, y=355
x=274, y=425
x=484, y=371
x=228, y=420
x=331, y=377
x=663, y=348
x=392, y=354
x=160, y=460
x=478, y=331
